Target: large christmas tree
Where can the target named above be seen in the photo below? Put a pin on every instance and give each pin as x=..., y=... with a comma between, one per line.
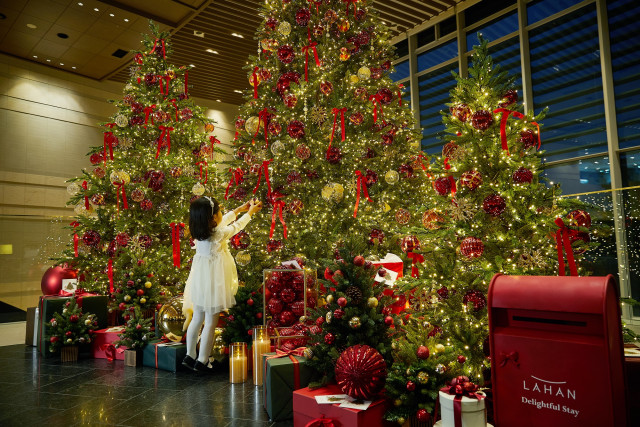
x=488, y=212
x=129, y=236
x=323, y=137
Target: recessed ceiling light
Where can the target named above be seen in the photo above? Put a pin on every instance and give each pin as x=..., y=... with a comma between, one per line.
x=63, y=35
x=212, y=51
x=96, y=9
x=61, y=63
x=48, y=60
x=198, y=33
x=35, y=56
x=111, y=14
x=237, y=91
x=126, y=19
x=218, y=100
x=3, y=16
x=192, y=66
x=80, y=4
x=237, y=35
x=32, y=26
x=73, y=67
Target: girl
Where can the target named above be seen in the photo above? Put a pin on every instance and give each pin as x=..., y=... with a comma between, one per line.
x=213, y=279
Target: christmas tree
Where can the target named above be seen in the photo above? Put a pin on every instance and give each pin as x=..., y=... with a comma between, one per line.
x=243, y=316
x=323, y=137
x=129, y=237
x=488, y=212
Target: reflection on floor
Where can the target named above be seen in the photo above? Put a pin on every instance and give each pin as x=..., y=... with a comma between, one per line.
x=12, y=333
x=40, y=391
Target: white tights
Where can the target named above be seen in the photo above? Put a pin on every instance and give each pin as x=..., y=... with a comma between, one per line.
x=206, y=340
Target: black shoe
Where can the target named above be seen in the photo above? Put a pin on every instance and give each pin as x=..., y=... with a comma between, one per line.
x=203, y=369
x=188, y=362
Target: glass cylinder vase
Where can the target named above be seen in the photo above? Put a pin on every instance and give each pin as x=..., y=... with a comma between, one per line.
x=237, y=362
x=261, y=345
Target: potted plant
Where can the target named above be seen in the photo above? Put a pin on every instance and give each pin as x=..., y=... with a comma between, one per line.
x=70, y=328
x=135, y=336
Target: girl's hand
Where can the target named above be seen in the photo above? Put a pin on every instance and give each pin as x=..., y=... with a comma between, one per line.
x=245, y=207
x=254, y=206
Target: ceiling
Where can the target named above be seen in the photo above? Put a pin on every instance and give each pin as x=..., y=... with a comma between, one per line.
x=85, y=37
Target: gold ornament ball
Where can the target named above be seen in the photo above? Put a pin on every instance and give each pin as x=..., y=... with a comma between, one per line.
x=79, y=209
x=143, y=300
x=338, y=192
x=329, y=299
x=147, y=285
x=218, y=350
x=355, y=322
x=327, y=192
x=124, y=177
x=353, y=79
x=364, y=73
x=308, y=353
x=408, y=372
x=115, y=177
x=251, y=125
x=171, y=319
x=391, y=177
x=397, y=402
x=127, y=298
x=73, y=189
x=439, y=348
x=423, y=377
x=277, y=148
x=401, y=421
x=197, y=189
x=344, y=25
x=372, y=302
x=243, y=258
x=394, y=345
x=121, y=120
x=328, y=316
x=284, y=28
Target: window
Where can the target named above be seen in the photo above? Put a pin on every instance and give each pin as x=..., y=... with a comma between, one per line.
x=434, y=94
x=437, y=55
x=540, y=9
x=507, y=55
x=484, y=9
x=401, y=71
x=581, y=176
x=402, y=48
x=494, y=29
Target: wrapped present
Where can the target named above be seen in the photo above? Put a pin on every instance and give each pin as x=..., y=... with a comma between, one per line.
x=31, y=330
x=462, y=410
x=288, y=293
x=284, y=372
x=393, y=265
x=165, y=355
x=307, y=410
x=49, y=304
x=102, y=346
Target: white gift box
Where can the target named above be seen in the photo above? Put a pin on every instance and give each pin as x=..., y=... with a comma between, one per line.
x=473, y=411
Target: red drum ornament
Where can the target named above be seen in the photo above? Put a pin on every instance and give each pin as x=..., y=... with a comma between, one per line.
x=431, y=220
x=296, y=129
x=471, y=247
x=510, y=97
x=361, y=372
x=471, y=179
x=286, y=54
x=303, y=152
x=522, y=176
x=477, y=298
x=494, y=205
x=460, y=112
x=579, y=218
x=326, y=88
x=528, y=139
x=442, y=186
x=452, y=151
x=482, y=119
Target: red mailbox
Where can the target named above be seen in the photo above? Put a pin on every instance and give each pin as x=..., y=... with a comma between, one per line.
x=556, y=352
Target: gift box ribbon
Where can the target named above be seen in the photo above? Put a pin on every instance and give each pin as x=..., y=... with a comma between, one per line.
x=375, y=99
x=206, y=170
x=320, y=422
x=164, y=90
x=175, y=105
x=305, y=49
x=355, y=7
x=335, y=112
x=147, y=111
x=278, y=205
x=563, y=239
x=110, y=351
x=166, y=132
x=317, y=3
x=120, y=190
x=512, y=356
x=263, y=117
x=155, y=45
x=503, y=125
x=108, y=141
x=457, y=401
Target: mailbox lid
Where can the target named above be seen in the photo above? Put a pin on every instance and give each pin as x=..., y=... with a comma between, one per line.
x=532, y=293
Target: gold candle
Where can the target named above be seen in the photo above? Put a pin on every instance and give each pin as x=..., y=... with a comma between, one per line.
x=261, y=345
x=238, y=362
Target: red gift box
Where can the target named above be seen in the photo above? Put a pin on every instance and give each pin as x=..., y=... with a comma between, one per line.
x=102, y=344
x=306, y=410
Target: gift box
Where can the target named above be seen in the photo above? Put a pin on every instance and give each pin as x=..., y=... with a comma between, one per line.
x=288, y=293
x=283, y=373
x=393, y=265
x=49, y=304
x=165, y=355
x=102, y=346
x=31, y=330
x=471, y=411
x=306, y=410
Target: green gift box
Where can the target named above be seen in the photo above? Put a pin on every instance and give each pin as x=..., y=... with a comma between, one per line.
x=284, y=373
x=50, y=304
x=165, y=355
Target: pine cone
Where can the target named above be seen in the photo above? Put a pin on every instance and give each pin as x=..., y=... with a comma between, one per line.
x=354, y=295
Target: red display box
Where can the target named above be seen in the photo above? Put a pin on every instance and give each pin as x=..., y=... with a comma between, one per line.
x=306, y=409
x=288, y=294
x=556, y=351
x=102, y=344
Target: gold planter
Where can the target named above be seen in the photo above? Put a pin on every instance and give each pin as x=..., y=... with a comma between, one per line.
x=133, y=358
x=69, y=353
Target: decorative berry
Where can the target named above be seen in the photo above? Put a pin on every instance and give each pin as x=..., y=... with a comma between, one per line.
x=411, y=386
x=388, y=320
x=250, y=302
x=461, y=359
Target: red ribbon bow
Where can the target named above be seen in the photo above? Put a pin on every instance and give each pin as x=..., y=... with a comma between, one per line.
x=328, y=275
x=264, y=169
x=416, y=258
x=75, y=224
x=175, y=240
x=254, y=82
x=166, y=132
x=305, y=49
x=278, y=205
x=110, y=274
x=400, y=87
x=376, y=104
x=456, y=389
x=263, y=117
x=361, y=184
x=503, y=126
x=86, y=198
x=355, y=7
x=110, y=351
x=214, y=141
x=504, y=358
x=155, y=44
x=108, y=141
x=166, y=85
x=237, y=176
x=206, y=170
x=120, y=189
x=335, y=112
x=174, y=103
x=317, y=3
x=147, y=111
x=138, y=58
x=562, y=239
x=320, y=422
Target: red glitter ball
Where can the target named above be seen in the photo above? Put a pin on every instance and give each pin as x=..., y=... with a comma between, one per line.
x=522, y=176
x=494, y=205
x=472, y=247
x=481, y=119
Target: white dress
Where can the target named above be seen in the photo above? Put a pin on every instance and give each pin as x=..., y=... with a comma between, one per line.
x=213, y=279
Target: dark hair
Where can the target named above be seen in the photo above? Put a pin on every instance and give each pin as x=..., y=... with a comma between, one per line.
x=201, y=216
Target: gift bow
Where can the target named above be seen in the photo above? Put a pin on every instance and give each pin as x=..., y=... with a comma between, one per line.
x=120, y=190
x=214, y=141
x=75, y=224
x=163, y=90
x=237, y=176
x=305, y=49
x=166, y=132
x=263, y=117
x=503, y=126
x=175, y=240
x=278, y=205
x=110, y=351
x=355, y=7
x=108, y=140
x=320, y=422
x=174, y=103
x=335, y=112
x=562, y=239
x=504, y=358
x=155, y=44
x=361, y=184
x=457, y=400
x=206, y=170
x=317, y=3
x=416, y=258
x=147, y=111
x=264, y=169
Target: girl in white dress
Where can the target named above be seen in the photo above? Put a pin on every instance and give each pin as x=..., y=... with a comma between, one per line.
x=213, y=279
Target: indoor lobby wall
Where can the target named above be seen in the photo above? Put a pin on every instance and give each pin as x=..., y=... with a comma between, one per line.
x=49, y=119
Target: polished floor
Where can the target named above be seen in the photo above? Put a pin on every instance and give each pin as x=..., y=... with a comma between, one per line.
x=37, y=391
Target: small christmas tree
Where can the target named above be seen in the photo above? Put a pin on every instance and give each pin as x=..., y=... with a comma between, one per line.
x=137, y=331
x=243, y=316
x=353, y=313
x=71, y=327
x=138, y=290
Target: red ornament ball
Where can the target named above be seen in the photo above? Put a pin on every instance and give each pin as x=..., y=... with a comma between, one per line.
x=294, y=177
x=443, y=293
x=494, y=205
x=411, y=386
x=96, y=158
x=287, y=318
x=452, y=151
x=329, y=338
x=406, y=170
x=303, y=152
x=356, y=118
x=423, y=416
x=274, y=245
x=333, y=155
x=510, y=97
x=442, y=185
x=122, y=239
x=579, y=218
x=286, y=54
x=99, y=172
x=140, y=292
x=422, y=352
x=302, y=17
x=579, y=236
x=403, y=216
x=358, y=261
x=320, y=321
x=285, y=80
x=387, y=138
x=461, y=359
x=342, y=301
x=338, y=313
x=326, y=88
x=371, y=177
x=471, y=247
x=91, y=238
x=295, y=206
x=296, y=129
x=274, y=127
x=460, y=112
x=376, y=236
x=271, y=24
x=481, y=119
x=360, y=93
x=522, y=176
x=298, y=308
x=431, y=220
x=388, y=320
x=51, y=282
x=145, y=241
x=528, y=139
x=274, y=306
x=409, y=244
x=288, y=295
x=385, y=96
x=97, y=199
x=146, y=205
x=470, y=179
x=476, y=298
x=290, y=100
x=240, y=124
x=240, y=240
x=361, y=372
x=137, y=195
